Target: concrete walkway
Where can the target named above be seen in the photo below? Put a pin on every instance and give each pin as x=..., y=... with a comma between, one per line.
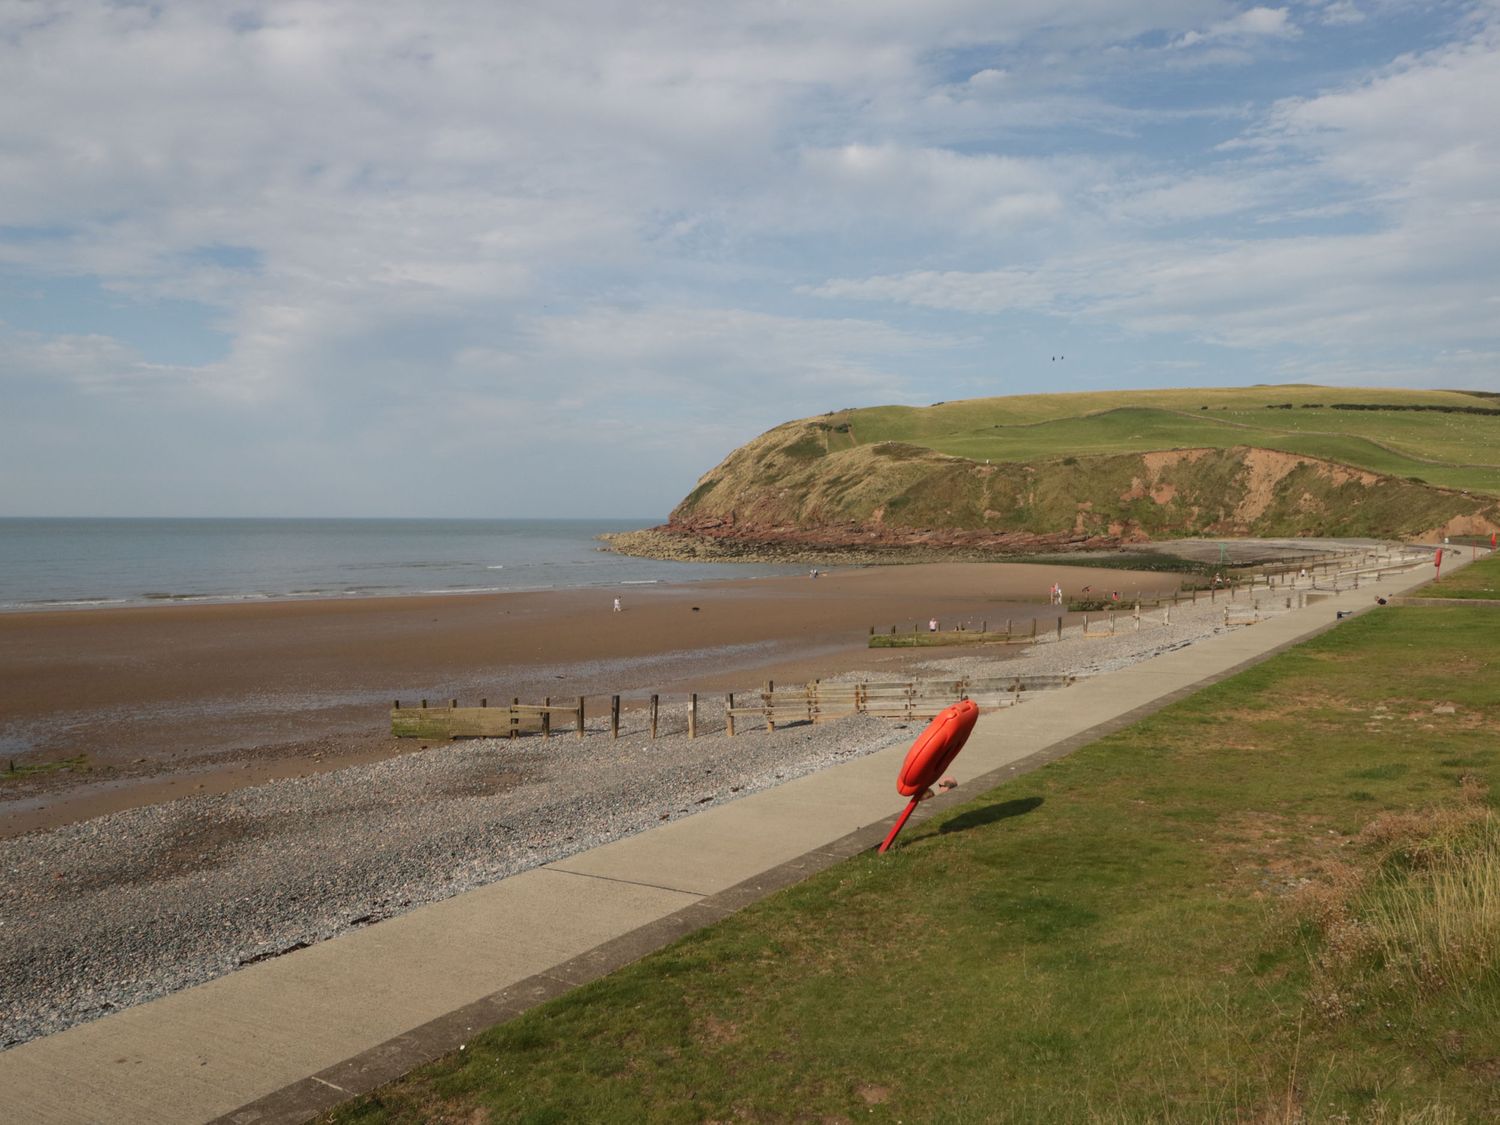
x=287, y=1038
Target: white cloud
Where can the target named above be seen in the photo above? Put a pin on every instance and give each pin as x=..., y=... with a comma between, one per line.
x=1250, y=24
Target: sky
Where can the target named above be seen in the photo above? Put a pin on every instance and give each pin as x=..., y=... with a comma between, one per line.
x=559, y=257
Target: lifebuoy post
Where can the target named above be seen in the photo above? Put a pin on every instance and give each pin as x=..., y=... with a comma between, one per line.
x=931, y=754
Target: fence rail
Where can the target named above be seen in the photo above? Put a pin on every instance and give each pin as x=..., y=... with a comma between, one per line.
x=816, y=702
x=897, y=699
x=483, y=721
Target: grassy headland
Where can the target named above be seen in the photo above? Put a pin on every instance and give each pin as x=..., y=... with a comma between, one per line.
x=1441, y=443
x=1038, y=473
x=1274, y=901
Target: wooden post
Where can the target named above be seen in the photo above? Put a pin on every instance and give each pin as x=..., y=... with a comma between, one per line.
x=654, y=702
x=1007, y=628
x=424, y=704
x=1059, y=626
x=1033, y=628
x=614, y=716
x=693, y=716
x=580, y=716
x=546, y=717
x=729, y=713
x=515, y=719
x=453, y=703
x=397, y=707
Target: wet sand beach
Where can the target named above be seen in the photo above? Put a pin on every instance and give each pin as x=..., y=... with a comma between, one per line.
x=166, y=701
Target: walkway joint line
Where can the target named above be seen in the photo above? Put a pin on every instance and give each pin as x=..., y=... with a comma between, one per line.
x=624, y=882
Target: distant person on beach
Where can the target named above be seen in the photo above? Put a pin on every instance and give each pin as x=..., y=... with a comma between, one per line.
x=814, y=572
x=932, y=625
x=617, y=605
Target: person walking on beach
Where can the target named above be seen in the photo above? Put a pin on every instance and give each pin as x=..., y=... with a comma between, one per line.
x=932, y=625
x=617, y=605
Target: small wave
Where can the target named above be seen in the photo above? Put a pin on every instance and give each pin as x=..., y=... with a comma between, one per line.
x=639, y=582
x=59, y=603
x=497, y=566
x=157, y=596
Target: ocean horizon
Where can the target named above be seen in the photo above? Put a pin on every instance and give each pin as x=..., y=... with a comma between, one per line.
x=82, y=563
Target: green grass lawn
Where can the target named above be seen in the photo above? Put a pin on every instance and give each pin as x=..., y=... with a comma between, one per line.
x=1450, y=450
x=1480, y=579
x=1266, y=903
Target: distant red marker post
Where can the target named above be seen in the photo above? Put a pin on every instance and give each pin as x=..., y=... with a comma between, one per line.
x=1437, y=565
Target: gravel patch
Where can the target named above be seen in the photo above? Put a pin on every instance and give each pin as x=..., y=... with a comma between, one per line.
x=111, y=912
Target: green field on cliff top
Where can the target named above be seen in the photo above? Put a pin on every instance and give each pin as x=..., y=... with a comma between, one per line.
x=1446, y=447
x=1274, y=901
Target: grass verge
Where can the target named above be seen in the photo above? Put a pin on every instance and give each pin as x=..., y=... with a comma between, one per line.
x=1480, y=579
x=1265, y=903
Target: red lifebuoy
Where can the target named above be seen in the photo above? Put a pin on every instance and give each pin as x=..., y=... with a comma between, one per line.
x=936, y=747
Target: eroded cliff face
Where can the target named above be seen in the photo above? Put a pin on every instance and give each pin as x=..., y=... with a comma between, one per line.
x=794, y=485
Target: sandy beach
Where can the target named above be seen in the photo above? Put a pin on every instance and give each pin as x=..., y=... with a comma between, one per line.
x=173, y=700
x=252, y=801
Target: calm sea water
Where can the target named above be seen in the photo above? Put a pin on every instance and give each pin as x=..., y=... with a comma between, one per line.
x=100, y=562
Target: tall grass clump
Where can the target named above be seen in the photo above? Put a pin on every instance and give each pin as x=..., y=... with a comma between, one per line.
x=1440, y=926
x=1422, y=918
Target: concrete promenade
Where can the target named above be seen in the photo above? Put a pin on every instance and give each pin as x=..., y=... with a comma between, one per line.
x=284, y=1039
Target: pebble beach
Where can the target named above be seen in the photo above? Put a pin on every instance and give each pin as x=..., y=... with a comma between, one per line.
x=121, y=908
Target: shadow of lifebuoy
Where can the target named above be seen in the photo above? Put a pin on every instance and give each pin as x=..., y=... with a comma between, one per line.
x=978, y=818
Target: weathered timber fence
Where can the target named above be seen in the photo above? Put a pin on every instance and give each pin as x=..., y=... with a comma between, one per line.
x=820, y=702
x=928, y=638
x=483, y=721
x=812, y=703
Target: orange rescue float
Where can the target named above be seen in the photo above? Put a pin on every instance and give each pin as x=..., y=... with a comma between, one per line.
x=931, y=754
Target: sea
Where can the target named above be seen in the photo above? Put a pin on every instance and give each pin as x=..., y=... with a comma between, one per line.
x=89, y=563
